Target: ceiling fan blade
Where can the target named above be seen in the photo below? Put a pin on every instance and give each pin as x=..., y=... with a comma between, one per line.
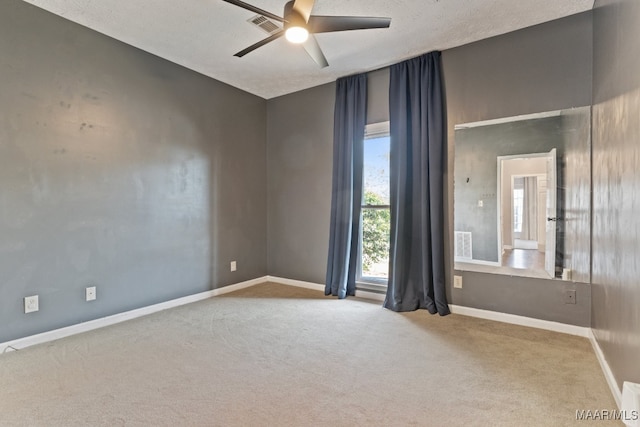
x=327, y=24
x=259, y=44
x=313, y=49
x=304, y=7
x=254, y=9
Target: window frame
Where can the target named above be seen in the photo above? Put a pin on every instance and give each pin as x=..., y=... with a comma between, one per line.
x=372, y=131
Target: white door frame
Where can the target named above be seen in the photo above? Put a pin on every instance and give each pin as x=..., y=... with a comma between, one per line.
x=499, y=193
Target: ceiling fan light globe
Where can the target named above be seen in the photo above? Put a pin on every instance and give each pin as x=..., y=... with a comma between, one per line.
x=297, y=34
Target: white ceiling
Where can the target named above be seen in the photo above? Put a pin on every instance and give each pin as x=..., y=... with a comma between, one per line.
x=203, y=35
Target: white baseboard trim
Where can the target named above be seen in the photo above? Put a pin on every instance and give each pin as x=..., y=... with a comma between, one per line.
x=318, y=287
x=564, y=328
x=606, y=370
x=296, y=283
x=20, y=343
x=462, y=310
x=237, y=286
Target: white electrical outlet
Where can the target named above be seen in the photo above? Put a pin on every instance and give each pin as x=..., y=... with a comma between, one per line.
x=31, y=304
x=457, y=282
x=90, y=293
x=234, y=266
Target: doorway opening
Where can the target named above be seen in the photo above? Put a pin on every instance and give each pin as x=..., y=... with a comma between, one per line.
x=526, y=206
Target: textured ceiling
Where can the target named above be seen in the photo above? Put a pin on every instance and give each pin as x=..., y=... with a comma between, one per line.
x=203, y=35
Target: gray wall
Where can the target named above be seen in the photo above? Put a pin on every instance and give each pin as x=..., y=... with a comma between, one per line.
x=119, y=170
x=299, y=158
x=541, y=68
x=616, y=186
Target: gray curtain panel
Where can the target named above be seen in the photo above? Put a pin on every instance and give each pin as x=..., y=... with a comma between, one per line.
x=346, y=195
x=418, y=126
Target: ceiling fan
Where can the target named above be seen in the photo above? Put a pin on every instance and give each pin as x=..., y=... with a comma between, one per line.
x=299, y=26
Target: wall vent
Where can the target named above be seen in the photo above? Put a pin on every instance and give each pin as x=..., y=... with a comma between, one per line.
x=463, y=245
x=265, y=24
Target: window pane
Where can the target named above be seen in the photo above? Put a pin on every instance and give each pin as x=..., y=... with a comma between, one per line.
x=376, y=226
x=376, y=222
x=376, y=171
x=518, y=205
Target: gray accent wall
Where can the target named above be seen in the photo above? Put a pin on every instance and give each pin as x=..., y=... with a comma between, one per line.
x=119, y=170
x=542, y=68
x=378, y=96
x=616, y=186
x=299, y=159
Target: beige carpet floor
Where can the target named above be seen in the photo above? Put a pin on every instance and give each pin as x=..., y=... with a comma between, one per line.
x=274, y=355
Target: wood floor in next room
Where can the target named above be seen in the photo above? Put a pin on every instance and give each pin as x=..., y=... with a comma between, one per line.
x=523, y=258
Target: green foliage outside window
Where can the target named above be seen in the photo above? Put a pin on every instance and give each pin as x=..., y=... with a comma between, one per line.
x=376, y=228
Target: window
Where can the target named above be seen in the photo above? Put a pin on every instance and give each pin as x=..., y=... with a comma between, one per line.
x=375, y=226
x=518, y=206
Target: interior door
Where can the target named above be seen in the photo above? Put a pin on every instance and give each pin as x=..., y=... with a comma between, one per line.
x=550, y=246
